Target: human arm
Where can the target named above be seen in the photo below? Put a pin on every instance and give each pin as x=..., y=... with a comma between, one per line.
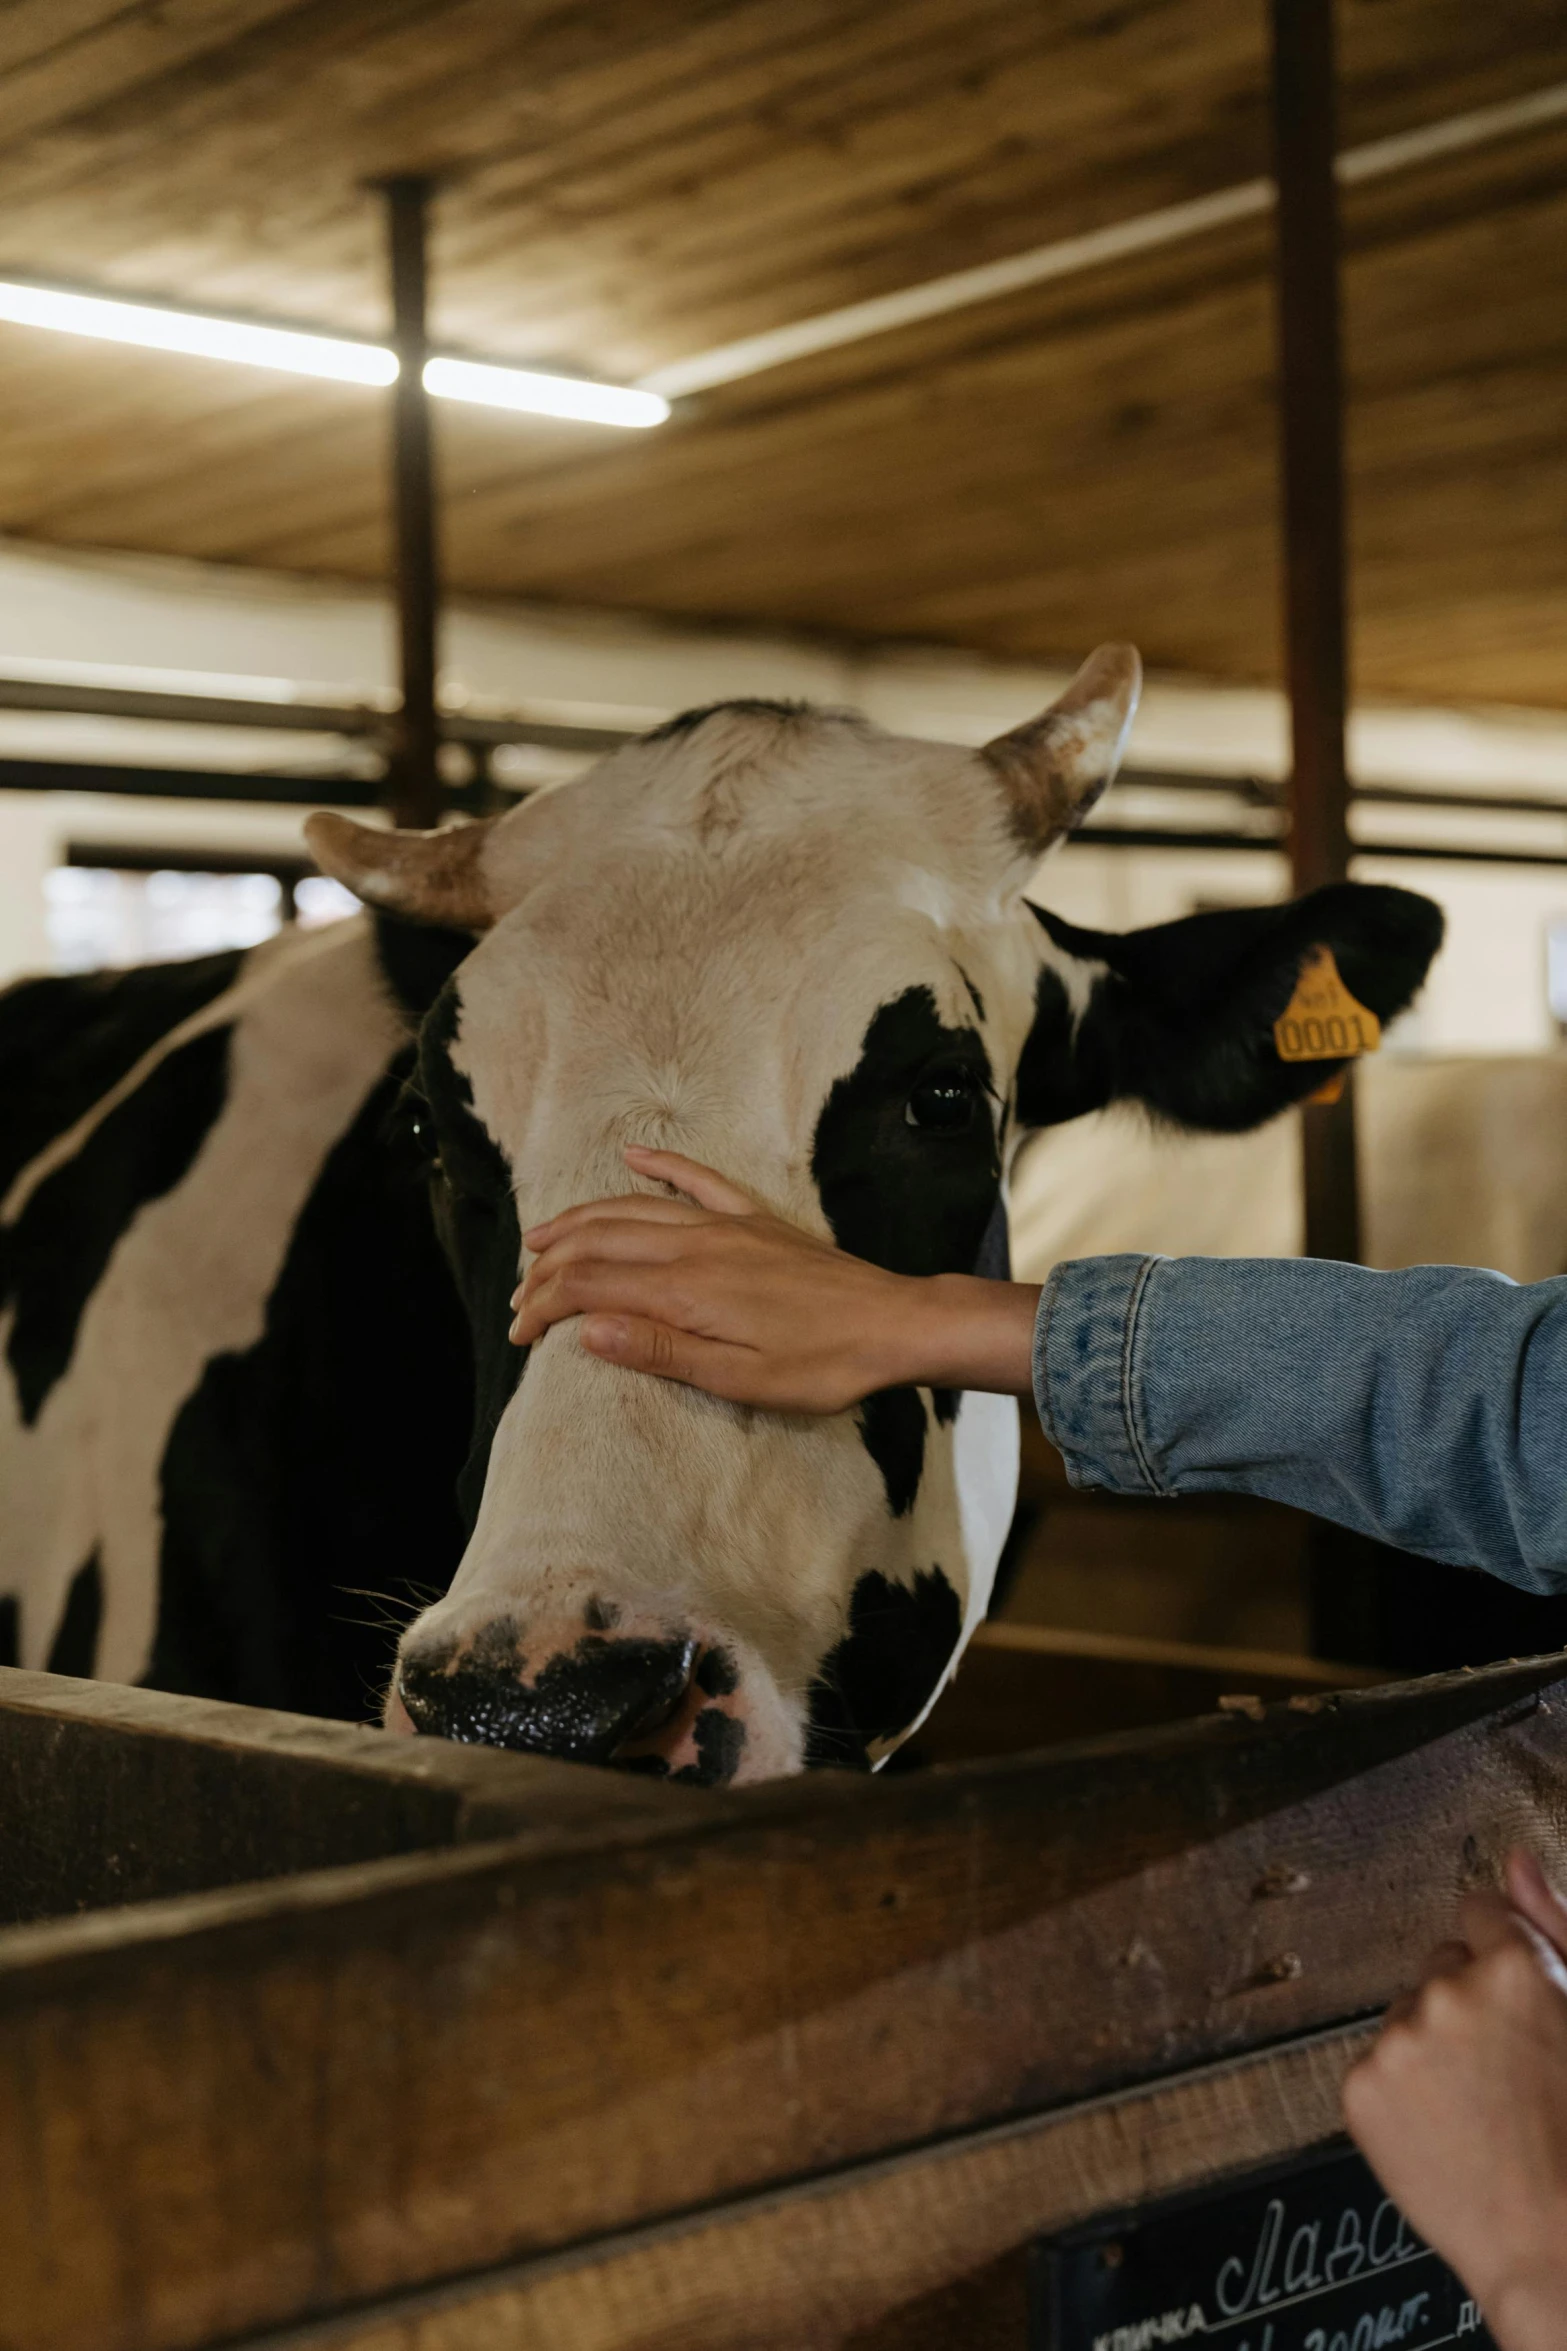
x=1461, y=2108
x=1426, y=1408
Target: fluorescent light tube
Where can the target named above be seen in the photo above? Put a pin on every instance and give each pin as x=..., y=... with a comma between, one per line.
x=299, y=353
x=542, y=395
x=202, y=338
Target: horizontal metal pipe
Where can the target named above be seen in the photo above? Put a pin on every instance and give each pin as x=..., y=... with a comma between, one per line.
x=359, y=721
x=540, y=734
x=1174, y=837
x=188, y=783
x=219, y=710
x=133, y=857
x=1259, y=792
x=1488, y=804
x=1141, y=836
x=1453, y=856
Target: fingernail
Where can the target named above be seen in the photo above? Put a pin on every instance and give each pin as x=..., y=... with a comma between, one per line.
x=515, y=1333
x=1534, y=1868
x=534, y=1234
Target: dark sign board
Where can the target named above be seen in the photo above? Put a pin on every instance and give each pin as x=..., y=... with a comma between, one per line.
x=1310, y=2256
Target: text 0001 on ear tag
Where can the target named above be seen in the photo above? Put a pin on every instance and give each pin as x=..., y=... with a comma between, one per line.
x=1322, y=1021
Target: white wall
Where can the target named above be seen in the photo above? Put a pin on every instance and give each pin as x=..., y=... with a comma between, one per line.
x=1460, y=1164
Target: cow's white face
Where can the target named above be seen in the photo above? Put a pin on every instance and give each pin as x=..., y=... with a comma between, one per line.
x=778, y=945
x=795, y=948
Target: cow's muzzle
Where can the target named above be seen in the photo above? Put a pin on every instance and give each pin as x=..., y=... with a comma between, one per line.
x=594, y=1703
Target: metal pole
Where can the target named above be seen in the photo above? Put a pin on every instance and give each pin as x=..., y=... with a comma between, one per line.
x=1315, y=561
x=414, y=787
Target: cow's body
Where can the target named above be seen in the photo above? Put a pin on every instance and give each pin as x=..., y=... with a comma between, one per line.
x=222, y=1418
x=261, y=1407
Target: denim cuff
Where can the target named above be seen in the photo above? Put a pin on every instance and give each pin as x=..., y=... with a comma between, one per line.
x=1085, y=1370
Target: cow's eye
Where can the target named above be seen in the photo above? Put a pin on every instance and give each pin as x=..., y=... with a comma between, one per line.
x=423, y=1141
x=412, y=1136
x=944, y=1102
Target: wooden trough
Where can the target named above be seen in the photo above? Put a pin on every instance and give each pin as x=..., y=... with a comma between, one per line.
x=313, y=2036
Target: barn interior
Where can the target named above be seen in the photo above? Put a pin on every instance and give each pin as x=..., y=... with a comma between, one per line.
x=404, y=404
x=966, y=324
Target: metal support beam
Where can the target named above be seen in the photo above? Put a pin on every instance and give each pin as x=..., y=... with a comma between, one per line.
x=413, y=781
x=1315, y=561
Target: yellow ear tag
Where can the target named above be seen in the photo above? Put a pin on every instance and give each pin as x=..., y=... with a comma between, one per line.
x=1322, y=1020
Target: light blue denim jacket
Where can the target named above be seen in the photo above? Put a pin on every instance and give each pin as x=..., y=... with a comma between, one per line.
x=1427, y=1408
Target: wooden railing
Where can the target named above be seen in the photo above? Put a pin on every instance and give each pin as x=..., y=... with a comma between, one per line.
x=301, y=2022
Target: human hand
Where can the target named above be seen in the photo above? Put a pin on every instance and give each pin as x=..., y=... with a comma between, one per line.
x=716, y=1292
x=1461, y=2108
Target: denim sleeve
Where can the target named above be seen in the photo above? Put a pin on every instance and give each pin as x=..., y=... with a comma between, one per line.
x=1427, y=1408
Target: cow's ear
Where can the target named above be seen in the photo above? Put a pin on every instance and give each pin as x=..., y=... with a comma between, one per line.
x=1180, y=1017
x=438, y=877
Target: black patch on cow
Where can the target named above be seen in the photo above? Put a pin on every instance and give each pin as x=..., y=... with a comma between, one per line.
x=10, y=1630
x=720, y=1743
x=472, y=1162
x=717, y=1674
x=913, y=1200
x=994, y=1261
x=53, y=1257
x=74, y=1648
x=65, y=1042
x=476, y=1220
x=892, y=1423
x=1183, y=1019
x=900, y=1641
x=1051, y=1087
x=417, y=959
x=308, y=1486
x=686, y=722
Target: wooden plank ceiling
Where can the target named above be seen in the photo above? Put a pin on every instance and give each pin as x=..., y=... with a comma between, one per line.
x=631, y=181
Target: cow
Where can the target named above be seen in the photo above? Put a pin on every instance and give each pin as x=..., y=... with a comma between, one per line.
x=264, y=1436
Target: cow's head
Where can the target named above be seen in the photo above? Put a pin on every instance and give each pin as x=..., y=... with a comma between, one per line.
x=794, y=947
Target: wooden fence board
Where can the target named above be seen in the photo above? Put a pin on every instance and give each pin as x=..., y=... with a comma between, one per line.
x=112, y=1795
x=257, y=2106
x=927, y=2252
x=1021, y=1680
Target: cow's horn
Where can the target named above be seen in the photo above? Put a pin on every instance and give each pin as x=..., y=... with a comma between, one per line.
x=1054, y=768
x=428, y=877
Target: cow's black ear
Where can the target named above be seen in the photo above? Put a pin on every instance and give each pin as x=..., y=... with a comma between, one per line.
x=1180, y=1017
x=417, y=959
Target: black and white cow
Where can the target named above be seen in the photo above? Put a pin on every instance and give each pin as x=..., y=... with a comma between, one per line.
x=260, y=1415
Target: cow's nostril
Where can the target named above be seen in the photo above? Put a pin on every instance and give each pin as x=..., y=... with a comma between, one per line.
x=583, y=1705
x=664, y=1697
